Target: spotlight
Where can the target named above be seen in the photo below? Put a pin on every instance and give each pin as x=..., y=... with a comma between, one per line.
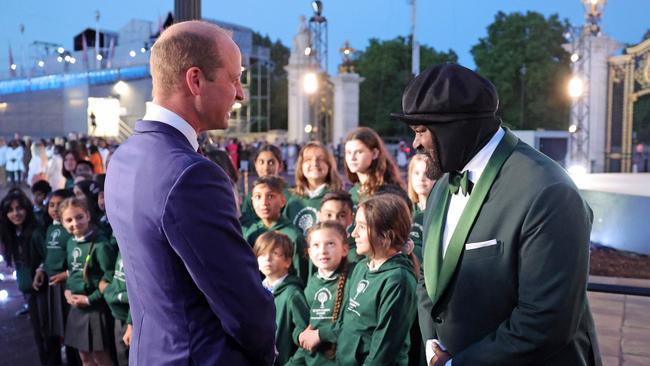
x=4, y=295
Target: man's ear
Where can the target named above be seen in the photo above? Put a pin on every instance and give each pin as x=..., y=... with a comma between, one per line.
x=194, y=80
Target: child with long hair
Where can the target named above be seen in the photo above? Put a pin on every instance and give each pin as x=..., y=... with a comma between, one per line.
x=53, y=271
x=70, y=159
x=367, y=164
x=328, y=249
x=22, y=245
x=268, y=161
x=91, y=262
x=381, y=306
x=419, y=187
x=316, y=175
x=274, y=252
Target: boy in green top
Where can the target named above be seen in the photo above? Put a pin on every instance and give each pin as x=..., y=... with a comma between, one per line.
x=268, y=161
x=338, y=206
x=118, y=301
x=268, y=201
x=274, y=252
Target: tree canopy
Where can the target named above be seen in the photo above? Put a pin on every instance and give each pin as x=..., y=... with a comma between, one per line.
x=522, y=55
x=386, y=67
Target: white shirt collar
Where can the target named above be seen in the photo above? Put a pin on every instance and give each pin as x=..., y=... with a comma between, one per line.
x=316, y=191
x=164, y=115
x=272, y=286
x=480, y=160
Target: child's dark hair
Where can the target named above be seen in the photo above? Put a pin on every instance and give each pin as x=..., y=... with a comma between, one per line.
x=271, y=240
x=62, y=193
x=277, y=184
x=91, y=191
x=222, y=159
x=8, y=237
x=277, y=154
x=42, y=186
x=397, y=191
x=339, y=195
x=85, y=162
x=77, y=158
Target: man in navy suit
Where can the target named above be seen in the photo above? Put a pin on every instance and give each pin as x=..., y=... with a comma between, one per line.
x=194, y=288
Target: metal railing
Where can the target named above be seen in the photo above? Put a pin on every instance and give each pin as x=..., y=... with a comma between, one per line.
x=618, y=289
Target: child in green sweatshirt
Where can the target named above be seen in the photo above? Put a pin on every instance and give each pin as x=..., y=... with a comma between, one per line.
x=325, y=292
x=316, y=175
x=268, y=201
x=118, y=301
x=381, y=306
x=274, y=252
x=338, y=206
x=91, y=262
x=268, y=161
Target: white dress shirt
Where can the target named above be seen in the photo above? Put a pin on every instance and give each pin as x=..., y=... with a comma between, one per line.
x=164, y=115
x=457, y=204
x=459, y=201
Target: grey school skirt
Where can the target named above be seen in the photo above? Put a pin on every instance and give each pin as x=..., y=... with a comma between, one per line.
x=89, y=330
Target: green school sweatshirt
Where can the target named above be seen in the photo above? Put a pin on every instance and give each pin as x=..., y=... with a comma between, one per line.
x=29, y=258
x=378, y=314
x=300, y=265
x=321, y=295
x=417, y=231
x=101, y=264
x=115, y=294
x=353, y=257
x=291, y=314
x=302, y=211
x=56, y=241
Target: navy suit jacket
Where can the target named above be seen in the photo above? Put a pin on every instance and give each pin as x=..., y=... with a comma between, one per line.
x=194, y=287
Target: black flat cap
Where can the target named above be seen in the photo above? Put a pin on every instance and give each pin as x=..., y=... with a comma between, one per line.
x=446, y=93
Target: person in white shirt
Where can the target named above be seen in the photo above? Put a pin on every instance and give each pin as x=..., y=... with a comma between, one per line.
x=506, y=239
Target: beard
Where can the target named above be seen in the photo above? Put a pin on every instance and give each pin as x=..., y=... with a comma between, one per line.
x=434, y=170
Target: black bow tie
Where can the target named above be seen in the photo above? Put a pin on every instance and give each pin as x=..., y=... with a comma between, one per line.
x=460, y=182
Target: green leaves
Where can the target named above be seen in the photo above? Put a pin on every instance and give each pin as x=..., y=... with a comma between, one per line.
x=386, y=67
x=516, y=40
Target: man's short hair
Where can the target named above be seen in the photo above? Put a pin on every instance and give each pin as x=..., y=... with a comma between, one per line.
x=276, y=184
x=171, y=56
x=341, y=196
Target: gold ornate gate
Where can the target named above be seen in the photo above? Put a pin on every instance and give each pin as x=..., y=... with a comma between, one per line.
x=628, y=80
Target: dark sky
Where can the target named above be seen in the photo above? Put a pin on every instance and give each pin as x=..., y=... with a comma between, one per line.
x=443, y=24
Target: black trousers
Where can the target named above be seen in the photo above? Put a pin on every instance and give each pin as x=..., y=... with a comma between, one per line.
x=49, y=348
x=121, y=350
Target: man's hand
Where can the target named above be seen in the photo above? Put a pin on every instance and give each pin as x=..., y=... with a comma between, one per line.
x=58, y=278
x=441, y=357
x=127, y=335
x=38, y=280
x=309, y=339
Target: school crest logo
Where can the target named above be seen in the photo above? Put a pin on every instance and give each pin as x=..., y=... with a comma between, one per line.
x=362, y=286
x=306, y=218
x=119, y=271
x=76, y=263
x=54, y=239
x=324, y=311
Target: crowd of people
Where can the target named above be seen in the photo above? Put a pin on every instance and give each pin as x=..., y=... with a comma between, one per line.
x=303, y=233
x=501, y=231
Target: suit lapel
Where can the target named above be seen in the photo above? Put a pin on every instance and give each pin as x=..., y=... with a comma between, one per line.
x=436, y=224
x=468, y=217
